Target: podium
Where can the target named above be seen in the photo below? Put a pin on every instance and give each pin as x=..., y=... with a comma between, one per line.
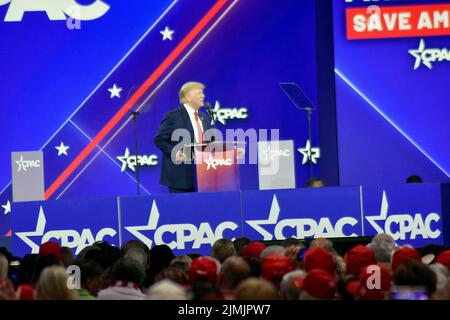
x=216, y=165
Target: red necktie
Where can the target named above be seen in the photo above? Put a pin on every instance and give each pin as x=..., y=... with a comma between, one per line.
x=198, y=128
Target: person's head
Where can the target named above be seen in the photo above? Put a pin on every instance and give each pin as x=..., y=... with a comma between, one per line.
x=370, y=276
x=322, y=243
x=182, y=262
x=52, y=285
x=271, y=250
x=4, y=267
x=233, y=271
x=291, y=283
x=256, y=289
x=66, y=256
x=358, y=257
x=444, y=258
x=253, y=249
x=51, y=248
x=442, y=281
x=414, y=179
x=138, y=254
x=222, y=249
x=318, y=285
x=275, y=266
x=91, y=273
x=27, y=267
x=128, y=269
x=203, y=269
x=382, y=245
x=173, y=273
x=191, y=93
x=240, y=243
x=160, y=258
x=318, y=258
x=315, y=183
x=166, y=290
x=402, y=254
x=412, y=273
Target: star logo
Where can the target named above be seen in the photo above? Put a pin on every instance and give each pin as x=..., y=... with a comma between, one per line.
x=115, y=91
x=62, y=149
x=273, y=219
x=272, y=154
x=151, y=225
x=417, y=53
x=21, y=164
x=211, y=163
x=381, y=217
x=40, y=226
x=7, y=207
x=167, y=34
x=309, y=153
x=124, y=160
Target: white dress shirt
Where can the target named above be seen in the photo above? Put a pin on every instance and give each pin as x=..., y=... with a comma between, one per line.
x=191, y=112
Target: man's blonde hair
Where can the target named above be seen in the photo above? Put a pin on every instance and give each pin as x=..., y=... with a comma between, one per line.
x=188, y=86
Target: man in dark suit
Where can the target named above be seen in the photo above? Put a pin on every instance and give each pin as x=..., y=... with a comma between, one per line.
x=176, y=173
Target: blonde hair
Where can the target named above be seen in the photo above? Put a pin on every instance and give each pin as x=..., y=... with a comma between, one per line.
x=52, y=285
x=188, y=86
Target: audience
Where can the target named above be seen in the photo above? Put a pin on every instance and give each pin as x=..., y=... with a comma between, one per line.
x=236, y=270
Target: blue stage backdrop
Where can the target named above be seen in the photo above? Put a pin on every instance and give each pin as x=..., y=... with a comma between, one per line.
x=392, y=71
x=71, y=84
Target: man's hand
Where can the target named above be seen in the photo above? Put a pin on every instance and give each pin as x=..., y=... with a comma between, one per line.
x=180, y=156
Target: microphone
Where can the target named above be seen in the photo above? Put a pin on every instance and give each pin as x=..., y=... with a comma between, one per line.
x=210, y=112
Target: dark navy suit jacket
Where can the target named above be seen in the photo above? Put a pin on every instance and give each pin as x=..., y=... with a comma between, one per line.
x=180, y=176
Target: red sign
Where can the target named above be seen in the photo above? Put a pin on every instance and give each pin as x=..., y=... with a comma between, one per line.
x=377, y=22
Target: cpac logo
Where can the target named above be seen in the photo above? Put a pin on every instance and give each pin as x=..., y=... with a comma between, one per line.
x=224, y=114
x=407, y=224
x=55, y=9
x=428, y=56
x=67, y=238
x=27, y=164
x=130, y=160
x=214, y=163
x=302, y=228
x=272, y=154
x=182, y=233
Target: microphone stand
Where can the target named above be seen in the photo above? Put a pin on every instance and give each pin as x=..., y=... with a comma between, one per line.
x=309, y=112
x=134, y=114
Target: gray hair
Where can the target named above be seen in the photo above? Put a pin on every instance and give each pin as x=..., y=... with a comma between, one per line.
x=383, y=246
x=137, y=254
x=166, y=290
x=272, y=249
x=288, y=289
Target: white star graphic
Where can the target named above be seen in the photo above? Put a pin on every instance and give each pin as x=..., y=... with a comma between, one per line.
x=167, y=33
x=211, y=163
x=7, y=207
x=40, y=226
x=308, y=152
x=62, y=149
x=115, y=91
x=20, y=164
x=382, y=216
x=273, y=218
x=417, y=53
x=124, y=160
x=151, y=225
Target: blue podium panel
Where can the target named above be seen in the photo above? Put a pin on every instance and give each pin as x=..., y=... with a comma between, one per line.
x=72, y=223
x=301, y=213
x=187, y=223
x=410, y=213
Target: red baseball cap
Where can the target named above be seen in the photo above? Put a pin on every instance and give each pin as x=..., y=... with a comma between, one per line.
x=371, y=287
x=26, y=292
x=253, y=249
x=203, y=268
x=275, y=266
x=444, y=259
x=357, y=258
x=318, y=258
x=403, y=254
x=320, y=284
x=51, y=247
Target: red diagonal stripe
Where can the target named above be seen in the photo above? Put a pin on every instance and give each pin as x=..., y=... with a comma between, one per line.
x=136, y=96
